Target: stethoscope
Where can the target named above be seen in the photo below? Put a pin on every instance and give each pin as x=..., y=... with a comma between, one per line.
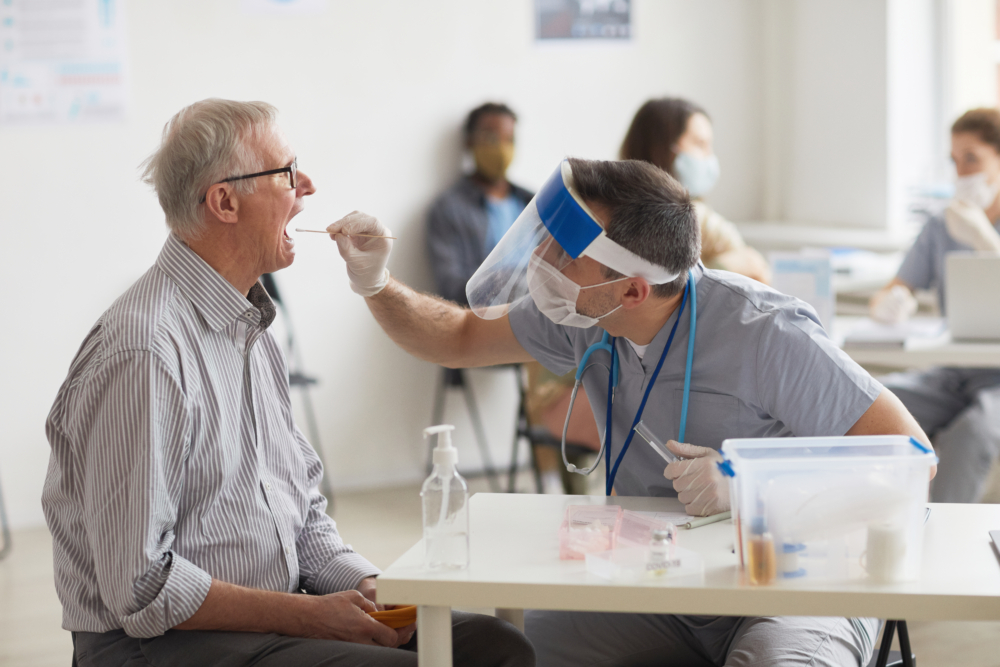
x=607, y=344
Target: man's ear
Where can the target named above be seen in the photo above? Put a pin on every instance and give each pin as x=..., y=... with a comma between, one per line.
x=637, y=290
x=223, y=203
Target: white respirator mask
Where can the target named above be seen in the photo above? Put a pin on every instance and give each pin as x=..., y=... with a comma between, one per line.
x=976, y=189
x=697, y=173
x=555, y=295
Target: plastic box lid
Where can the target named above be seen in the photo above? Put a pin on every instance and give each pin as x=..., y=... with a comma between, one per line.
x=774, y=452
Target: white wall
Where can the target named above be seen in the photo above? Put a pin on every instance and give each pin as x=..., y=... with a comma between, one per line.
x=371, y=96
x=971, y=59
x=852, y=112
x=837, y=166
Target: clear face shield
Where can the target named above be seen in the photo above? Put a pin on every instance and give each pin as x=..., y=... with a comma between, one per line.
x=554, y=229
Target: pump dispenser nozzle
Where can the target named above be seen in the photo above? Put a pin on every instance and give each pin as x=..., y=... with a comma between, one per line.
x=444, y=453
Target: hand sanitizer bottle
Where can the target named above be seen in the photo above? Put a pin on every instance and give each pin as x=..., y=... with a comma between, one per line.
x=445, y=499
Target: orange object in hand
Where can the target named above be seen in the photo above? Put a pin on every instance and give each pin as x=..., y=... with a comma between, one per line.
x=396, y=618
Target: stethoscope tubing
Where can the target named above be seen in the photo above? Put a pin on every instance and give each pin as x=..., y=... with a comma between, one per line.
x=608, y=344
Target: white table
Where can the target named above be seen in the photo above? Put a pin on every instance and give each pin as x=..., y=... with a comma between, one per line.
x=515, y=566
x=919, y=354
x=950, y=354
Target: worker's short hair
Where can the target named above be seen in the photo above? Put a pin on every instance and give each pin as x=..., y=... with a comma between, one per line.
x=651, y=215
x=201, y=145
x=655, y=130
x=472, y=120
x=983, y=122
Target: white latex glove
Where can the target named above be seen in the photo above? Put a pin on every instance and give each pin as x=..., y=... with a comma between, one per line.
x=697, y=480
x=893, y=305
x=366, y=257
x=968, y=224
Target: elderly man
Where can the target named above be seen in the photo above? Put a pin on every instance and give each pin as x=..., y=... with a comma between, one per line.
x=605, y=259
x=181, y=497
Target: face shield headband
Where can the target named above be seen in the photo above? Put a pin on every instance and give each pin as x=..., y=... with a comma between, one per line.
x=558, y=227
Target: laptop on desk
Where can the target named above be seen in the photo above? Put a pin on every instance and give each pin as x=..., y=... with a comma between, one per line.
x=972, y=296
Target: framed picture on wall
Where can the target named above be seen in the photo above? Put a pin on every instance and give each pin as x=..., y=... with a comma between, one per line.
x=583, y=19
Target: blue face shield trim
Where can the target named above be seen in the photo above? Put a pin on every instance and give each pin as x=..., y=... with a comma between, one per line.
x=556, y=227
x=572, y=227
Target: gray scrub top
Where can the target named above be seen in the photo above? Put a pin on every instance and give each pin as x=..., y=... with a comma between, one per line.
x=763, y=367
x=923, y=267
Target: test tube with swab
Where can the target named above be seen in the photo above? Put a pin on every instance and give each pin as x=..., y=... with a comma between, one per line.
x=323, y=231
x=655, y=443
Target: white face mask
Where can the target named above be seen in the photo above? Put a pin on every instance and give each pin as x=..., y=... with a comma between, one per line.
x=555, y=295
x=697, y=173
x=976, y=190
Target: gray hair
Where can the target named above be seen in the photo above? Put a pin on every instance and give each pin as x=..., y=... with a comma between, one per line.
x=651, y=215
x=203, y=144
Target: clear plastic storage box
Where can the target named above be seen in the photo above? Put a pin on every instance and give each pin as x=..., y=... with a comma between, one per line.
x=829, y=508
x=588, y=529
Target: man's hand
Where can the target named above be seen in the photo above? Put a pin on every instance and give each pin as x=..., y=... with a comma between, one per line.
x=968, y=224
x=367, y=588
x=697, y=480
x=344, y=617
x=366, y=257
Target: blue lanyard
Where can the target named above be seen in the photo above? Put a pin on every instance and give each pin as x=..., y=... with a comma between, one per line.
x=688, y=290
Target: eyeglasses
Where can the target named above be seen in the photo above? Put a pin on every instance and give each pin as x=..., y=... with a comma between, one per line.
x=292, y=170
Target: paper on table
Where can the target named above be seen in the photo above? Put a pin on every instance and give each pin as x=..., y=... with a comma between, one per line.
x=869, y=333
x=676, y=518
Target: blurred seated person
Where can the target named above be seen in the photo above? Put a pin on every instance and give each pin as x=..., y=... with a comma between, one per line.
x=959, y=408
x=468, y=219
x=676, y=136
x=464, y=225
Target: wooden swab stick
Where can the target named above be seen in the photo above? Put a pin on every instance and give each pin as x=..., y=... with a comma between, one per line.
x=323, y=231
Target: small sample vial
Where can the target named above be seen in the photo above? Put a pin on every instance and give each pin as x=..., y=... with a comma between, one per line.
x=661, y=551
x=788, y=560
x=762, y=562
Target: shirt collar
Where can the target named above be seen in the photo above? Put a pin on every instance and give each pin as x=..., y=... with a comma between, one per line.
x=655, y=347
x=214, y=297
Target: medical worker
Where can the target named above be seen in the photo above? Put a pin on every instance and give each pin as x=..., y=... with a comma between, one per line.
x=611, y=249
x=958, y=407
x=677, y=136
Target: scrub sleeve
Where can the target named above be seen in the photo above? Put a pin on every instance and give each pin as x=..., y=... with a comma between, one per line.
x=917, y=267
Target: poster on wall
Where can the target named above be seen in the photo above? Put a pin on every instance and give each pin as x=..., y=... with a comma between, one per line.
x=583, y=19
x=62, y=62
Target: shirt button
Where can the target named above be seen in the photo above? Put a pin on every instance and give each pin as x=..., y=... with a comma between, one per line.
x=288, y=550
x=267, y=486
x=249, y=313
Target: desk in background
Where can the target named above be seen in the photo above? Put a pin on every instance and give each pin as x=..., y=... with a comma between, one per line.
x=515, y=566
x=961, y=354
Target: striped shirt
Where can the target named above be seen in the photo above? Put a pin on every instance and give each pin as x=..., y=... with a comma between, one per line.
x=175, y=459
